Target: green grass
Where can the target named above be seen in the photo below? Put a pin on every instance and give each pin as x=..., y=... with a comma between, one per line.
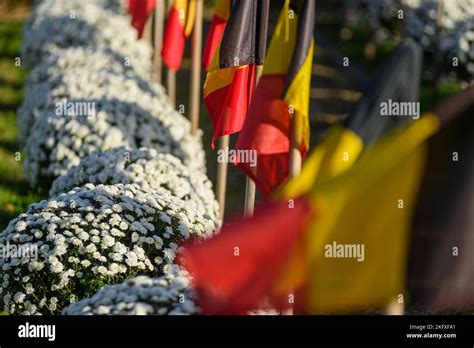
x=15, y=194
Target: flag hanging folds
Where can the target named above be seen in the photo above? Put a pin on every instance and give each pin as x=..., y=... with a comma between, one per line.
x=230, y=80
x=282, y=93
x=396, y=81
x=218, y=23
x=140, y=10
x=179, y=26
x=441, y=262
x=234, y=264
x=349, y=256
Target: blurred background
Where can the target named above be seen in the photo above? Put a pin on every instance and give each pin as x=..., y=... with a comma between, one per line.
x=365, y=31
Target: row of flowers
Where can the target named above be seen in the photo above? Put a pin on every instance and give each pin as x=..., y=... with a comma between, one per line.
x=126, y=178
x=445, y=29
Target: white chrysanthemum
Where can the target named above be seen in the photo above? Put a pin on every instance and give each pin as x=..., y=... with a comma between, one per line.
x=59, y=142
x=81, y=23
x=451, y=35
x=71, y=87
x=60, y=59
x=448, y=34
x=147, y=168
x=65, y=266
x=115, y=6
x=170, y=294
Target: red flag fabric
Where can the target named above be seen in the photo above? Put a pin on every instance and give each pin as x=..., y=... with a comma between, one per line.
x=272, y=139
x=265, y=241
x=230, y=79
x=216, y=30
x=228, y=103
x=179, y=26
x=140, y=10
x=282, y=94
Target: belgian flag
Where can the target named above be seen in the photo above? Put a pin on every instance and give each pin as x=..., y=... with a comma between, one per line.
x=282, y=94
x=218, y=23
x=230, y=80
x=341, y=246
x=294, y=247
x=397, y=80
x=179, y=26
x=140, y=10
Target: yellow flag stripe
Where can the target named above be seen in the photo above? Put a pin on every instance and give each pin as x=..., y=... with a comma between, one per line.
x=219, y=78
x=297, y=95
x=222, y=9
x=282, y=44
x=338, y=150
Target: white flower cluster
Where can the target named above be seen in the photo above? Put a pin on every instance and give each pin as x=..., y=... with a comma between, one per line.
x=71, y=85
x=451, y=32
x=91, y=237
x=91, y=58
x=86, y=98
x=170, y=294
x=149, y=169
x=134, y=186
x=67, y=23
x=57, y=143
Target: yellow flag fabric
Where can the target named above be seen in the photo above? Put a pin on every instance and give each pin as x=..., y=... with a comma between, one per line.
x=284, y=60
x=353, y=256
x=186, y=13
x=336, y=153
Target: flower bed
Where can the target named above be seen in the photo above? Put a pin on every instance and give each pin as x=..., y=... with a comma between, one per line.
x=146, y=167
x=91, y=237
x=166, y=295
x=86, y=84
x=58, y=143
x=81, y=23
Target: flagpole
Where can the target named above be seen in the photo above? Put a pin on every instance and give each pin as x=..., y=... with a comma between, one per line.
x=295, y=153
x=196, y=68
x=171, y=75
x=250, y=189
x=147, y=31
x=395, y=308
x=222, y=173
x=159, y=25
x=295, y=162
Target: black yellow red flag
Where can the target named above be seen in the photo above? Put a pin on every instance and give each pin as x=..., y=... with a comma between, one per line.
x=216, y=29
x=344, y=243
x=179, y=26
x=230, y=79
x=282, y=93
x=396, y=82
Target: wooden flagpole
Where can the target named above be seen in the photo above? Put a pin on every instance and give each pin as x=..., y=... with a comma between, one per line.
x=171, y=86
x=147, y=31
x=196, y=53
x=250, y=190
x=295, y=153
x=171, y=75
x=394, y=308
x=222, y=173
x=159, y=25
x=295, y=163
